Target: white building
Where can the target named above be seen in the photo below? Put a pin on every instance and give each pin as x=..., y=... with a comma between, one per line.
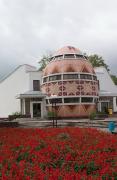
x=20, y=92
x=108, y=90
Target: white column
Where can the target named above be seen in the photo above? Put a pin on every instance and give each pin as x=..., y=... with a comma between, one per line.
x=114, y=104
x=31, y=109
x=23, y=106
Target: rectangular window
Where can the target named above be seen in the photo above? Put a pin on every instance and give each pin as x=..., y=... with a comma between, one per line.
x=95, y=78
x=45, y=79
x=56, y=100
x=58, y=57
x=36, y=85
x=85, y=76
x=72, y=100
x=69, y=56
x=70, y=76
x=79, y=56
x=54, y=78
x=86, y=99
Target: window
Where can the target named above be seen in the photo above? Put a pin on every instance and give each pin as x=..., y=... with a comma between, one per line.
x=85, y=76
x=86, y=99
x=36, y=85
x=69, y=56
x=45, y=79
x=55, y=77
x=79, y=56
x=46, y=101
x=59, y=57
x=56, y=100
x=95, y=78
x=72, y=100
x=70, y=76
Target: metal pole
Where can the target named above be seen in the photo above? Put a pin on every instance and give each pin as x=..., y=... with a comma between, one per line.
x=53, y=114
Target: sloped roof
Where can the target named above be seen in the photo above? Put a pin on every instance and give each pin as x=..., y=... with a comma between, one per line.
x=107, y=86
x=28, y=69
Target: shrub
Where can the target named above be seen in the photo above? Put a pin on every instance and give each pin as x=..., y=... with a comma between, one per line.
x=51, y=114
x=92, y=116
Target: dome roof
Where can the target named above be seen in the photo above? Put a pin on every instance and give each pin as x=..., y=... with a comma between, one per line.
x=67, y=50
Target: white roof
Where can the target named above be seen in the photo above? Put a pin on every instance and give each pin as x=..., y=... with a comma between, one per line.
x=31, y=94
x=107, y=86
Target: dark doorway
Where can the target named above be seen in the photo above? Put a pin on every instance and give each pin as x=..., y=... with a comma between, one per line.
x=104, y=107
x=36, y=109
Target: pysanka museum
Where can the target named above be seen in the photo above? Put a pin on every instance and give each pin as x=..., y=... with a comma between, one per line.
x=68, y=80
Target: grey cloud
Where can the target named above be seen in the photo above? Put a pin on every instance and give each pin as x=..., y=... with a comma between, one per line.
x=30, y=28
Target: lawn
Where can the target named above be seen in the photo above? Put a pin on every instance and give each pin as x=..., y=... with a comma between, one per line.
x=57, y=153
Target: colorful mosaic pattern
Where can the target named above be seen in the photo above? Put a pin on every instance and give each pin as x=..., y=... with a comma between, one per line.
x=71, y=88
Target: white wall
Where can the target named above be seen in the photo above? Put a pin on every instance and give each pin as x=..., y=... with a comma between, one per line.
x=14, y=84
x=106, y=84
x=37, y=75
x=105, y=81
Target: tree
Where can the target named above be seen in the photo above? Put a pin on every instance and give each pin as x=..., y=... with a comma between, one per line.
x=44, y=61
x=114, y=78
x=97, y=61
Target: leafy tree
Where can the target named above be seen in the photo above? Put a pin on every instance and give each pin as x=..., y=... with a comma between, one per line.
x=114, y=78
x=44, y=61
x=98, y=61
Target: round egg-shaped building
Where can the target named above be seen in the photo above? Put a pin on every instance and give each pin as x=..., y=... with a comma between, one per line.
x=69, y=78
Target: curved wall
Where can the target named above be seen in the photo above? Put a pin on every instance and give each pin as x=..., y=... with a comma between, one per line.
x=76, y=96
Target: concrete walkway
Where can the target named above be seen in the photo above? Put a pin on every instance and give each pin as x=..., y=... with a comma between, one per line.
x=40, y=123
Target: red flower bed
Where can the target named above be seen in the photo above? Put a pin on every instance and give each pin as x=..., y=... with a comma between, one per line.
x=66, y=153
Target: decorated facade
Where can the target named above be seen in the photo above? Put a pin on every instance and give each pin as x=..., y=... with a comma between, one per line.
x=70, y=79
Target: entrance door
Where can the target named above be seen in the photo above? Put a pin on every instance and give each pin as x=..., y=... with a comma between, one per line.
x=104, y=107
x=36, y=109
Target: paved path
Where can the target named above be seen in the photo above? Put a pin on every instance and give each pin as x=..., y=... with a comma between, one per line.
x=39, y=123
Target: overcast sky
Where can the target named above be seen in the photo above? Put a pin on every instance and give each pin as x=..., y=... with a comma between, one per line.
x=31, y=28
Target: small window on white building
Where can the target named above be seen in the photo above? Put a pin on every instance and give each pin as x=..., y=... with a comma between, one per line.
x=36, y=85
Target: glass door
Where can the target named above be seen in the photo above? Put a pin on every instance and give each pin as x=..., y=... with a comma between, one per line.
x=36, y=109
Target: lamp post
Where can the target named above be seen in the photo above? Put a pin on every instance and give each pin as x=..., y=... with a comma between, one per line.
x=53, y=102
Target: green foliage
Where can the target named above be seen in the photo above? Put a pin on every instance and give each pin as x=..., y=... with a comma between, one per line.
x=22, y=156
x=51, y=114
x=92, y=115
x=114, y=78
x=16, y=113
x=97, y=61
x=63, y=136
x=44, y=61
x=40, y=146
x=76, y=167
x=91, y=167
